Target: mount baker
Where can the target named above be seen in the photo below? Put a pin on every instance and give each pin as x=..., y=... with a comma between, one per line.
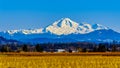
x=64, y=30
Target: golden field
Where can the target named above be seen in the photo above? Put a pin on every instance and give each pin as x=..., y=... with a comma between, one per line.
x=59, y=61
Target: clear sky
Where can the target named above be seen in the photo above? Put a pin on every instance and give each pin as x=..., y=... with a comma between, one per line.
x=25, y=14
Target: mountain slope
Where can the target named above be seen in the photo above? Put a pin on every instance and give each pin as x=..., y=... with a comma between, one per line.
x=95, y=36
x=7, y=41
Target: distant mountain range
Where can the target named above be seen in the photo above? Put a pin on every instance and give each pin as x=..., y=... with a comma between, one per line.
x=64, y=30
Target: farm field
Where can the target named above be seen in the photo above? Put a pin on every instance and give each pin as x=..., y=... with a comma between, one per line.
x=59, y=61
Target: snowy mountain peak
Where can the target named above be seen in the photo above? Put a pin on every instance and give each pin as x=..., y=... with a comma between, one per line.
x=67, y=19
x=65, y=22
x=66, y=26
x=63, y=26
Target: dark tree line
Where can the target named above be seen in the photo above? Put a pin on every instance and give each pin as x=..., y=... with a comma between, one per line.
x=21, y=48
x=68, y=47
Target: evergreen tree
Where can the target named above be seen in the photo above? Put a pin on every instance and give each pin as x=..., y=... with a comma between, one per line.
x=102, y=48
x=39, y=48
x=25, y=48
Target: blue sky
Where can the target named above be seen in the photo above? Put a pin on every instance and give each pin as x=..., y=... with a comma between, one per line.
x=25, y=14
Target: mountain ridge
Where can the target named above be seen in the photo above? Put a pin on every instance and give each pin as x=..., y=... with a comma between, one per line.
x=64, y=30
x=64, y=26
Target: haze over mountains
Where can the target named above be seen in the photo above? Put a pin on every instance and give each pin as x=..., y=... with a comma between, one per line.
x=64, y=30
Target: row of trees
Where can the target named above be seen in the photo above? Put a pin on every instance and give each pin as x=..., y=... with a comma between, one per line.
x=21, y=48
x=69, y=47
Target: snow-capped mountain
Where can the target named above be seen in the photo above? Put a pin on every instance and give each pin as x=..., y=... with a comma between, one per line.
x=66, y=26
x=24, y=31
x=63, y=30
x=63, y=26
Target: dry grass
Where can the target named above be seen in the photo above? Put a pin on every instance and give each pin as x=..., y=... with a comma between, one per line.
x=59, y=61
x=61, y=54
